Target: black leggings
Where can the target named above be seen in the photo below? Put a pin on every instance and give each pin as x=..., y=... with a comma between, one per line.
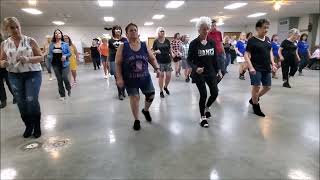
x=4, y=78
x=211, y=81
x=286, y=65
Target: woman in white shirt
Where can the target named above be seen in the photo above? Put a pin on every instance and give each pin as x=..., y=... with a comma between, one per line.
x=21, y=56
x=315, y=56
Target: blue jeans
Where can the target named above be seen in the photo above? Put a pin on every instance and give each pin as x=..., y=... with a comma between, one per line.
x=304, y=61
x=228, y=61
x=26, y=88
x=221, y=63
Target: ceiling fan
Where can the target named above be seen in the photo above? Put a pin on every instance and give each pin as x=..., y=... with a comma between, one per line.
x=278, y=3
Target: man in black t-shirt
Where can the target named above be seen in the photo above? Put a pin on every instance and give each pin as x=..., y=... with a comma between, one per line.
x=259, y=57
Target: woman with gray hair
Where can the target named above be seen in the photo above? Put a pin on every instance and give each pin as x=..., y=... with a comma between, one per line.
x=202, y=58
x=289, y=57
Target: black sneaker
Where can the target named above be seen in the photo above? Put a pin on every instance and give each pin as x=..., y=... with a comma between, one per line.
x=14, y=101
x=204, y=122
x=161, y=95
x=300, y=74
x=167, y=91
x=188, y=79
x=3, y=104
x=146, y=115
x=136, y=125
x=69, y=93
x=286, y=84
x=241, y=77
x=257, y=110
x=207, y=113
x=251, y=102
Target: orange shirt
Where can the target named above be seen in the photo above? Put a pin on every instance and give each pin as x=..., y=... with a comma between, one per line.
x=104, y=49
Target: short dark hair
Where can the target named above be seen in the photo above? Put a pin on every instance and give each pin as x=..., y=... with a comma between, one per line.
x=249, y=34
x=176, y=35
x=261, y=22
x=131, y=24
x=54, y=37
x=70, y=42
x=213, y=21
x=304, y=34
x=114, y=29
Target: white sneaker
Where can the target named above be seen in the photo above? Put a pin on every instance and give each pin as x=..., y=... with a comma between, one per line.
x=106, y=76
x=204, y=122
x=62, y=98
x=50, y=79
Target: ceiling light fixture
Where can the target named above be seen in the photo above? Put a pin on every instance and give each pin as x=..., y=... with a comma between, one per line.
x=59, y=23
x=32, y=11
x=108, y=19
x=158, y=16
x=148, y=23
x=174, y=4
x=235, y=5
x=105, y=3
x=277, y=5
x=32, y=2
x=256, y=15
x=194, y=20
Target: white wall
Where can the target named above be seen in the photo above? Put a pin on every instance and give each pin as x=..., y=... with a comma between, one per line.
x=318, y=33
x=303, y=23
x=86, y=34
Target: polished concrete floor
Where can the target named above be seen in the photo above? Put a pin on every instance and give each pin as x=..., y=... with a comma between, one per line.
x=90, y=135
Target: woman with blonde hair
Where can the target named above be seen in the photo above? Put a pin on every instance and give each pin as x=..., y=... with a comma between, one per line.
x=162, y=49
x=240, y=49
x=21, y=56
x=104, y=53
x=74, y=59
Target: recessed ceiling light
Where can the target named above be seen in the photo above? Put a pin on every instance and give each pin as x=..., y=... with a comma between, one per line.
x=105, y=3
x=158, y=16
x=32, y=2
x=148, y=23
x=220, y=23
x=194, y=20
x=256, y=15
x=235, y=5
x=32, y=11
x=108, y=19
x=59, y=23
x=174, y=4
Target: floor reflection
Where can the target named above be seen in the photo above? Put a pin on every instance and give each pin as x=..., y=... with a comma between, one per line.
x=298, y=174
x=214, y=175
x=50, y=122
x=8, y=174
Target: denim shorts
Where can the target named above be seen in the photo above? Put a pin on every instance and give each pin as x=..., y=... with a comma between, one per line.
x=146, y=88
x=165, y=67
x=104, y=58
x=185, y=64
x=261, y=77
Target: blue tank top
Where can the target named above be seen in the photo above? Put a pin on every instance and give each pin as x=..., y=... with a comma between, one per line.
x=135, y=66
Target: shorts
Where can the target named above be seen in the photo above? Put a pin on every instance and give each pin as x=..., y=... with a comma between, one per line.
x=146, y=88
x=261, y=77
x=113, y=68
x=165, y=67
x=104, y=58
x=185, y=64
x=240, y=59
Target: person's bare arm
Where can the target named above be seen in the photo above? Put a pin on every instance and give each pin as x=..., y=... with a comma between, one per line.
x=37, y=54
x=76, y=52
x=153, y=60
x=280, y=54
x=297, y=54
x=119, y=66
x=3, y=57
x=247, y=57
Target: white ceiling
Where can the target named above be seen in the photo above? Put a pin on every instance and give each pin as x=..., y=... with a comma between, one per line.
x=88, y=13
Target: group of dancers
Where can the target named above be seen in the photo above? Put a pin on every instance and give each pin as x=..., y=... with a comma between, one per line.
x=204, y=60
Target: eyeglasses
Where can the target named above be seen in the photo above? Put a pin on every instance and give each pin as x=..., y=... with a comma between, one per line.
x=162, y=31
